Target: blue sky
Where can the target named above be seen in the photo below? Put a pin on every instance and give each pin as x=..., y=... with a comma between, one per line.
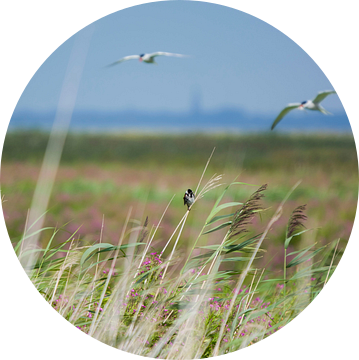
x=236, y=61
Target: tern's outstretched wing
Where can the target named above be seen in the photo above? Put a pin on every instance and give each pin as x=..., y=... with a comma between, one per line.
x=162, y=53
x=283, y=113
x=130, y=57
x=322, y=95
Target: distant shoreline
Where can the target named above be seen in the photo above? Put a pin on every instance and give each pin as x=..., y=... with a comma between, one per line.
x=221, y=121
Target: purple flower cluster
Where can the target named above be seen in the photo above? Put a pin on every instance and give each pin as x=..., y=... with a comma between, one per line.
x=213, y=311
x=152, y=261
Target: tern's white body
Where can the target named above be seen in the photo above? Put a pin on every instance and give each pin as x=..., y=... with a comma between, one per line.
x=309, y=104
x=147, y=58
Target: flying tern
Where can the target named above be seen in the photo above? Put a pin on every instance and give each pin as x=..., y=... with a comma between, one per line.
x=309, y=104
x=147, y=58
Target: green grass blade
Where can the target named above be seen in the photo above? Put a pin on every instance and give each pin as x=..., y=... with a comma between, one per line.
x=222, y=207
x=243, y=244
x=219, y=227
x=214, y=210
x=308, y=271
x=288, y=240
x=301, y=258
x=87, y=253
x=239, y=258
x=216, y=218
x=32, y=234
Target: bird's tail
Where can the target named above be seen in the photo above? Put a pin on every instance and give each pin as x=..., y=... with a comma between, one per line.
x=323, y=111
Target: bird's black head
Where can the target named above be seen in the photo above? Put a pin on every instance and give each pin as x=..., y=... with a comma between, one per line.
x=189, y=191
x=303, y=102
x=142, y=55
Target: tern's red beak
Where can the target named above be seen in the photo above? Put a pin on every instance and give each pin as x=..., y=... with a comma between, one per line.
x=140, y=59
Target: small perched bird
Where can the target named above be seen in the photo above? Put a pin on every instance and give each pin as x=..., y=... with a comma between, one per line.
x=309, y=104
x=189, y=198
x=147, y=58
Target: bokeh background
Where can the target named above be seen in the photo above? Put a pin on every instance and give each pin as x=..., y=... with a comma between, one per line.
x=139, y=133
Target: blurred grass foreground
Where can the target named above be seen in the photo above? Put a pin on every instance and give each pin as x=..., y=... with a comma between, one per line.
x=122, y=259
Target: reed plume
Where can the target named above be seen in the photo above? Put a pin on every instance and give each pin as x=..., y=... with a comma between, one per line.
x=296, y=220
x=244, y=215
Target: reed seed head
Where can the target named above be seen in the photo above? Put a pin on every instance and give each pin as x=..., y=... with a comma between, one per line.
x=296, y=220
x=244, y=215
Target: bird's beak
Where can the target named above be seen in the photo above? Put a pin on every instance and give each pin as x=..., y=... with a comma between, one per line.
x=140, y=59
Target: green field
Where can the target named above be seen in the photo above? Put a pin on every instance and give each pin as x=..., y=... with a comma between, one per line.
x=267, y=151
x=103, y=175
x=242, y=262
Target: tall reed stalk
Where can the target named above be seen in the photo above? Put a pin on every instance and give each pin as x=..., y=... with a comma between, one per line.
x=146, y=305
